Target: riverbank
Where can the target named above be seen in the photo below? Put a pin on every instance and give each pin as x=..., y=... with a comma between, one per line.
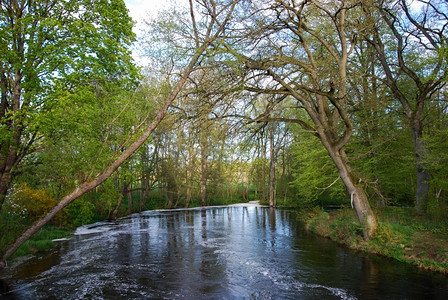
x=402, y=235
x=42, y=241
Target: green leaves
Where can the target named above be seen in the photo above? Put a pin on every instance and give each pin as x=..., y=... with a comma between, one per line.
x=59, y=60
x=313, y=170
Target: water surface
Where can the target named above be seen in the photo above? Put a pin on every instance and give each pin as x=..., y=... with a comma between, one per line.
x=214, y=253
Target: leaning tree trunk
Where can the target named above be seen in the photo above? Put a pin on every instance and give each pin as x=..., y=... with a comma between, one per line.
x=358, y=196
x=114, y=214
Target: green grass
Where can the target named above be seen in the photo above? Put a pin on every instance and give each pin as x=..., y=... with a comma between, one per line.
x=12, y=226
x=41, y=241
x=402, y=235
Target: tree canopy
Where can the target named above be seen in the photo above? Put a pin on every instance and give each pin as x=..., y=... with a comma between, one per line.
x=52, y=50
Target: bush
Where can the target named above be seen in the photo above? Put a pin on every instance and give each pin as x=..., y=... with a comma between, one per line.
x=34, y=203
x=81, y=212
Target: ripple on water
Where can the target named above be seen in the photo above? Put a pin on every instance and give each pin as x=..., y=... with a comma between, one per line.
x=216, y=253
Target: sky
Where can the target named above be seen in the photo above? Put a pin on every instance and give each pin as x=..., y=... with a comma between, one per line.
x=141, y=10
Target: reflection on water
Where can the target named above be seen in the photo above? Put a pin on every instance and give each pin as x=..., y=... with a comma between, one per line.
x=214, y=253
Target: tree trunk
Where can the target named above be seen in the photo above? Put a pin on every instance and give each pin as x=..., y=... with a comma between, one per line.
x=5, y=179
x=144, y=193
x=422, y=185
x=272, y=189
x=188, y=196
x=169, y=198
x=246, y=191
x=358, y=197
x=129, y=200
x=189, y=162
x=114, y=214
x=425, y=87
x=203, y=173
x=6, y=171
x=263, y=171
x=144, y=182
x=12, y=158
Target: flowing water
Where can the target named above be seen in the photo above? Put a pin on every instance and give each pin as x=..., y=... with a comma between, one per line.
x=213, y=253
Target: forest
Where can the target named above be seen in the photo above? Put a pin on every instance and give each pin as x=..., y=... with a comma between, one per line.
x=292, y=103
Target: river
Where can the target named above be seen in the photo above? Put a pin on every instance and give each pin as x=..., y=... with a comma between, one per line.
x=213, y=253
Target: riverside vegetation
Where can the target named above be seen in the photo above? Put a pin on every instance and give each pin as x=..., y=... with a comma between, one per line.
x=402, y=235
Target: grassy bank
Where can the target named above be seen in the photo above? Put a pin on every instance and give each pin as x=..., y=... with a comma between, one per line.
x=11, y=227
x=402, y=235
x=41, y=241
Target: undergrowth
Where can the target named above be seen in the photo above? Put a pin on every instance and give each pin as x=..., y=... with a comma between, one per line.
x=402, y=235
x=11, y=227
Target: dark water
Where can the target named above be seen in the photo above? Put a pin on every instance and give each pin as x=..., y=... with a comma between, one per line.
x=214, y=253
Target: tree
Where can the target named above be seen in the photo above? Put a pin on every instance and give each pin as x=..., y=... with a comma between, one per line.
x=411, y=48
x=313, y=172
x=203, y=145
x=301, y=50
x=381, y=147
x=53, y=45
x=436, y=160
x=219, y=15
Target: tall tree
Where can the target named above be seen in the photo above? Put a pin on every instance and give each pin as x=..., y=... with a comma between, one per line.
x=301, y=50
x=45, y=42
x=410, y=45
x=380, y=148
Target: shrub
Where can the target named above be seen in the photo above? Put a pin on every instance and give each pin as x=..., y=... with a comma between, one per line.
x=81, y=212
x=34, y=203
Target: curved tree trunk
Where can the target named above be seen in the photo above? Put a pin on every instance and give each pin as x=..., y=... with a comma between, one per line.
x=114, y=214
x=358, y=196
